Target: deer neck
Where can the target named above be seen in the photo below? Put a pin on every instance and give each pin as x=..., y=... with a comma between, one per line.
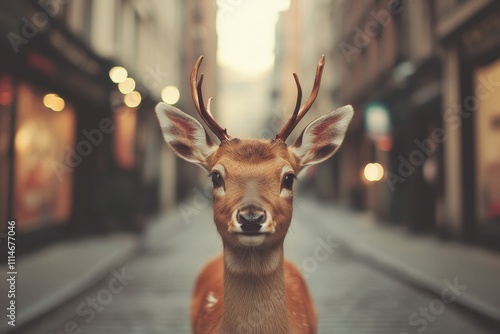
x=254, y=291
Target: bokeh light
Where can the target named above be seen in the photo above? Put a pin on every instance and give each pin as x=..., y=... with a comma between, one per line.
x=133, y=99
x=373, y=172
x=170, y=94
x=54, y=102
x=118, y=74
x=126, y=86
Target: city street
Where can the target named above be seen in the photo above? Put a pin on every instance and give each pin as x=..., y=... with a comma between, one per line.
x=151, y=293
x=385, y=111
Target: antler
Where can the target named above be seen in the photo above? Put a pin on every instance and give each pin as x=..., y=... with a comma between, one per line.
x=203, y=111
x=299, y=111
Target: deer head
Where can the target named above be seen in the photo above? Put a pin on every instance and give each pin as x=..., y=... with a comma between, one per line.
x=253, y=179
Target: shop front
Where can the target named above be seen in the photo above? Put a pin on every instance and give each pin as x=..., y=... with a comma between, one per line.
x=480, y=71
x=52, y=87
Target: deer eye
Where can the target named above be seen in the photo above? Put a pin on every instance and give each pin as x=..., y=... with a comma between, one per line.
x=216, y=179
x=288, y=181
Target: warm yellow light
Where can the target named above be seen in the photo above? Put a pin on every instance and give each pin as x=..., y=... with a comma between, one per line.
x=58, y=104
x=170, y=94
x=117, y=74
x=54, y=102
x=47, y=100
x=126, y=86
x=24, y=137
x=132, y=99
x=373, y=172
x=243, y=45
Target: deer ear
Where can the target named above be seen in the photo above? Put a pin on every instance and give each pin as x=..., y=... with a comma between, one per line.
x=185, y=135
x=322, y=137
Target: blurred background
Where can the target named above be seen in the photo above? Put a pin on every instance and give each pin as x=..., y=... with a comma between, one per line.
x=412, y=197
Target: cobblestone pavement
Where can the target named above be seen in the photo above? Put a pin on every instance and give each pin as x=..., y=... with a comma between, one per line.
x=150, y=294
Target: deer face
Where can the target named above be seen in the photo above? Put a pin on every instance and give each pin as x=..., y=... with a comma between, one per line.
x=253, y=191
x=253, y=179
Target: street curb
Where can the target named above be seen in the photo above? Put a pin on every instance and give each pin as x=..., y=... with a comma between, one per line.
x=419, y=280
x=125, y=246
x=363, y=236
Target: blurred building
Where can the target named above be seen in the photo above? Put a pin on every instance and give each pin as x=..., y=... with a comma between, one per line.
x=423, y=79
x=468, y=33
x=80, y=153
x=390, y=72
x=301, y=40
x=199, y=37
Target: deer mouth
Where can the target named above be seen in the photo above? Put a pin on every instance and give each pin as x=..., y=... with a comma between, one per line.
x=251, y=239
x=250, y=234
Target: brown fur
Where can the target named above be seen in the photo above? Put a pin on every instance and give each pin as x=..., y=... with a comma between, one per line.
x=205, y=320
x=251, y=288
x=265, y=298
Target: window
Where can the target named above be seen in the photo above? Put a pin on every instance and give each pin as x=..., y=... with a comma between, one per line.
x=43, y=142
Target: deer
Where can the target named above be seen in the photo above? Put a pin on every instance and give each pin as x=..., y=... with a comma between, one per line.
x=250, y=287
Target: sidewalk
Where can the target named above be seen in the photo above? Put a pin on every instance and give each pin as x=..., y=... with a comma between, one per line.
x=423, y=260
x=49, y=277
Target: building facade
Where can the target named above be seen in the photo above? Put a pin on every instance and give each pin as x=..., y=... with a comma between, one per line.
x=81, y=151
x=468, y=33
x=422, y=78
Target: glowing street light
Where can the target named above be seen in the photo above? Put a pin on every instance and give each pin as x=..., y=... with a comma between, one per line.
x=126, y=86
x=54, y=102
x=118, y=74
x=170, y=95
x=132, y=99
x=373, y=172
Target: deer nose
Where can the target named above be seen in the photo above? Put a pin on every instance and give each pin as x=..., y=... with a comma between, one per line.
x=251, y=218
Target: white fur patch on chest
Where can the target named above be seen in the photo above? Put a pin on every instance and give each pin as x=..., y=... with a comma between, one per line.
x=211, y=300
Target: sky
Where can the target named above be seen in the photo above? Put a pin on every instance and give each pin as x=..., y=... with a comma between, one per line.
x=246, y=34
